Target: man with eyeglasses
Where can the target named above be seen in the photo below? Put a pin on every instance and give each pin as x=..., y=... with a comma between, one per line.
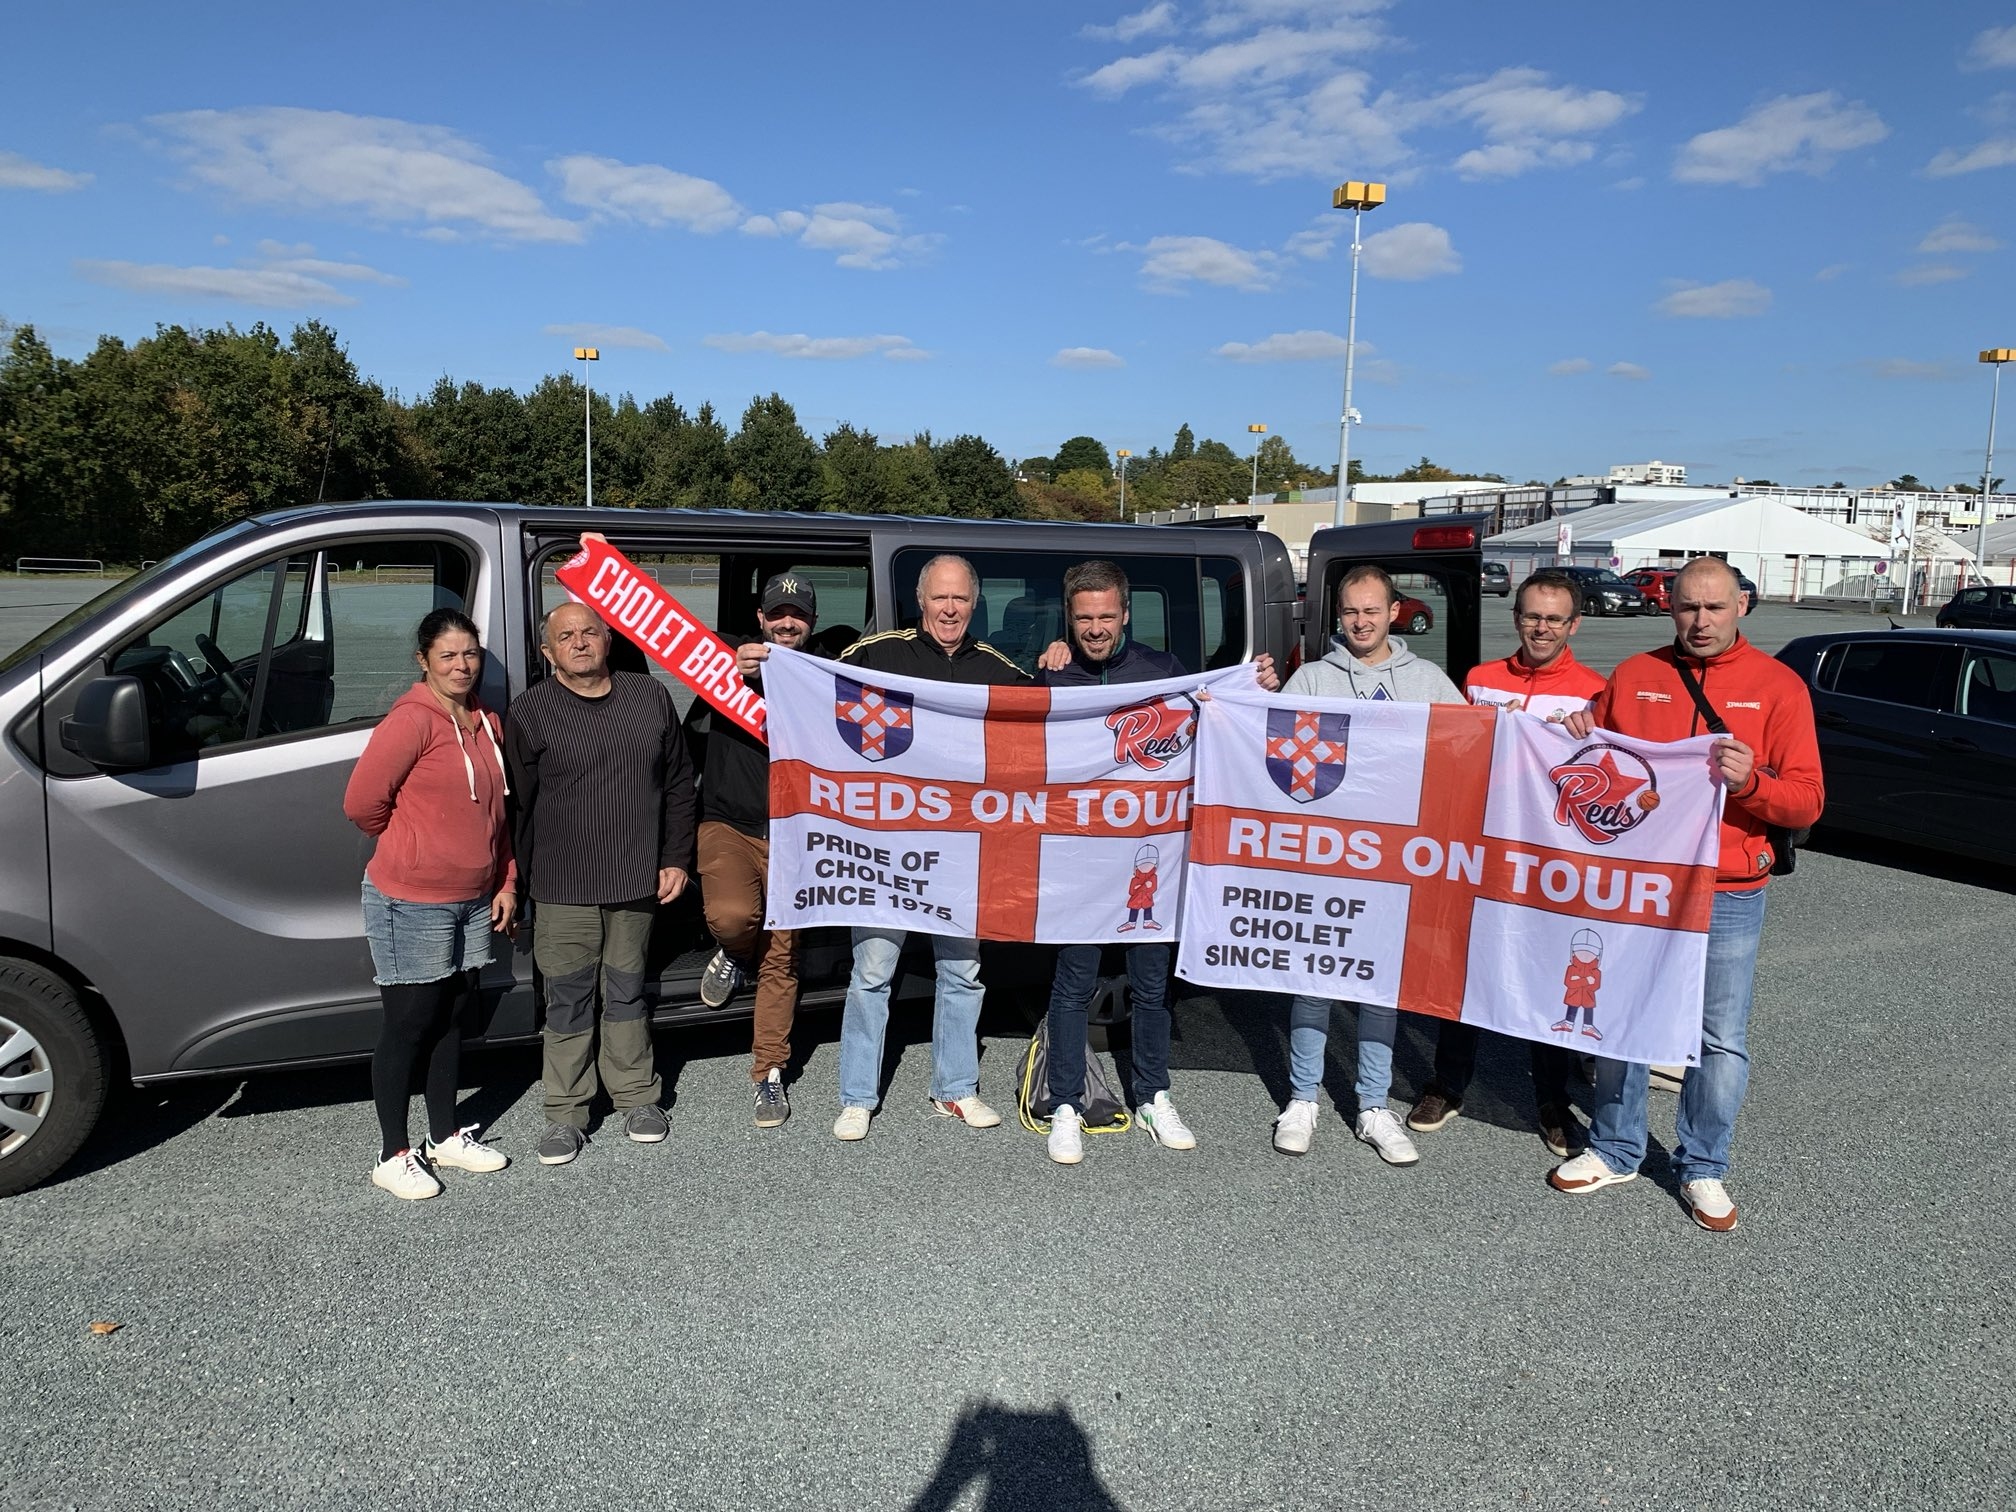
x=1541, y=678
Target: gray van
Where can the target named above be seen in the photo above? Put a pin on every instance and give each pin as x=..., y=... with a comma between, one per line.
x=180, y=894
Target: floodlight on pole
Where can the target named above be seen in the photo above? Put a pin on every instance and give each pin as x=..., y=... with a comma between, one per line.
x=1357, y=197
x=1256, y=431
x=1994, y=357
x=1123, y=456
x=584, y=356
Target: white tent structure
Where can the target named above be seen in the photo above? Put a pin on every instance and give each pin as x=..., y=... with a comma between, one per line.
x=1786, y=552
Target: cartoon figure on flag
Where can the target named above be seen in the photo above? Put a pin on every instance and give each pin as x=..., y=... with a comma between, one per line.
x=1581, y=982
x=1141, y=889
x=875, y=723
x=1306, y=751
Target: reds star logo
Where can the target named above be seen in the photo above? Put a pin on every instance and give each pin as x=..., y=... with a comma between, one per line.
x=1603, y=791
x=1151, y=735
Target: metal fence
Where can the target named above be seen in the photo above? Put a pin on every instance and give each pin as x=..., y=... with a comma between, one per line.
x=58, y=564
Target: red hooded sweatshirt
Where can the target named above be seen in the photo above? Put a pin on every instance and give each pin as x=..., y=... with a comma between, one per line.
x=1766, y=706
x=434, y=797
x=1561, y=687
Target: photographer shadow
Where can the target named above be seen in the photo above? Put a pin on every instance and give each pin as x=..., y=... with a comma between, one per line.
x=1033, y=1461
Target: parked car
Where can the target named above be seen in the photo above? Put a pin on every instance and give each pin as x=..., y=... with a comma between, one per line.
x=1749, y=590
x=1603, y=592
x=1415, y=617
x=1917, y=735
x=1981, y=608
x=1655, y=583
x=1497, y=579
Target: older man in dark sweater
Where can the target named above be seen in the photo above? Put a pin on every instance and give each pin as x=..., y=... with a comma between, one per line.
x=605, y=835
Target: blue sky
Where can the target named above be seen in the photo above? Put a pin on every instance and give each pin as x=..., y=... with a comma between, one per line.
x=1765, y=240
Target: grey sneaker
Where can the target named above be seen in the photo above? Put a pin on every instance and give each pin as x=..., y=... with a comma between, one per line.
x=721, y=980
x=646, y=1124
x=560, y=1144
x=772, y=1106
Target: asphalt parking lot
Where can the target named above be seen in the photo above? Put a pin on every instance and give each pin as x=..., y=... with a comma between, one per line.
x=939, y=1318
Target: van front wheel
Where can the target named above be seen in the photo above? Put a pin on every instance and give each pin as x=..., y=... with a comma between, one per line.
x=52, y=1075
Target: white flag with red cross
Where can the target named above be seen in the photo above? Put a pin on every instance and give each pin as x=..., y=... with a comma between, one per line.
x=1014, y=813
x=1458, y=862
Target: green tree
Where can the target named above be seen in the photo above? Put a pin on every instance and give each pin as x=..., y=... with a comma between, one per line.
x=1907, y=483
x=976, y=480
x=1080, y=453
x=776, y=465
x=851, y=477
x=910, y=482
x=1185, y=446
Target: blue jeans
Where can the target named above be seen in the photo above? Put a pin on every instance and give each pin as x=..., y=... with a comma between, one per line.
x=1071, y=1001
x=1713, y=1092
x=955, y=1019
x=1309, y=1032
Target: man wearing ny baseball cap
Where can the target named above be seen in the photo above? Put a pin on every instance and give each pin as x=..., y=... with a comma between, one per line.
x=734, y=851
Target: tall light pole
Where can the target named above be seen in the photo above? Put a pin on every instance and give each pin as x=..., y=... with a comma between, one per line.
x=1994, y=357
x=1356, y=197
x=584, y=356
x=1256, y=431
x=1123, y=456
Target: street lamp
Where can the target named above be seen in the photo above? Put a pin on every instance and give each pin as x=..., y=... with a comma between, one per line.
x=1356, y=197
x=1123, y=456
x=584, y=356
x=1256, y=431
x=1994, y=357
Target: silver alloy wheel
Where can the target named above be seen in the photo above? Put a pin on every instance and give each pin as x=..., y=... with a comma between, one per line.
x=27, y=1086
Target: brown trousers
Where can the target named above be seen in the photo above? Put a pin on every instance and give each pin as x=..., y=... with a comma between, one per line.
x=733, y=870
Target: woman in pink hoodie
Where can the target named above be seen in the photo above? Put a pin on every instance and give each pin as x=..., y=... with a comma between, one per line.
x=430, y=785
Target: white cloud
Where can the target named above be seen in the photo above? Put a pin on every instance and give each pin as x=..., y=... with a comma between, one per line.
x=1317, y=242
x=646, y=193
x=1159, y=17
x=584, y=333
x=1628, y=370
x=1791, y=134
x=1956, y=235
x=1291, y=346
x=1831, y=272
x=1568, y=367
x=1993, y=48
x=1510, y=159
x=1087, y=359
x=1731, y=298
x=1172, y=261
x=1996, y=152
x=818, y=348
x=1528, y=122
x=1123, y=74
x=271, y=288
x=863, y=236
x=301, y=258
x=18, y=172
x=390, y=171
x=1931, y=273
x=1411, y=251
x=1905, y=369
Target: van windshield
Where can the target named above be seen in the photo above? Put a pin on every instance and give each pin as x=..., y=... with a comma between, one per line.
x=113, y=595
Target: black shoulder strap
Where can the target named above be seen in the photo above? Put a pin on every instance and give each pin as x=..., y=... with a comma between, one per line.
x=1707, y=711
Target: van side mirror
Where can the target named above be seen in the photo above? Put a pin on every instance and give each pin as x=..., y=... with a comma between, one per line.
x=109, y=726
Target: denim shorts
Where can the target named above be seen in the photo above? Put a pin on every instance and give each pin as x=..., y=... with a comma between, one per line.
x=424, y=942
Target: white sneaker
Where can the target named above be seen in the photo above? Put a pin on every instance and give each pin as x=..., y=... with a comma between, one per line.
x=1380, y=1128
x=1710, y=1204
x=1295, y=1127
x=852, y=1124
x=968, y=1109
x=1585, y=1173
x=1067, y=1147
x=465, y=1152
x=1160, y=1118
x=404, y=1176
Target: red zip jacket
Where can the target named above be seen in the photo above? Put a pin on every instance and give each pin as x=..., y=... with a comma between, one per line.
x=1766, y=706
x=435, y=799
x=1561, y=687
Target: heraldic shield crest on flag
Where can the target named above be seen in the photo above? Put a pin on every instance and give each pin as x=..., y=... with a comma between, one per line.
x=876, y=723
x=1305, y=752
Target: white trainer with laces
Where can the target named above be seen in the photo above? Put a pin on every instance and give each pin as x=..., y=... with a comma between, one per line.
x=1586, y=1173
x=968, y=1110
x=465, y=1152
x=1067, y=1146
x=1164, y=1124
x=1380, y=1128
x=404, y=1176
x=1709, y=1203
x=1295, y=1127
x=852, y=1124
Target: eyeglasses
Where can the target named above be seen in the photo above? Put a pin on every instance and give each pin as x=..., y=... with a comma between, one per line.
x=1551, y=621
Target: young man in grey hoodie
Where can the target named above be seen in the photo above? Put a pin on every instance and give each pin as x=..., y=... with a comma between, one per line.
x=1365, y=660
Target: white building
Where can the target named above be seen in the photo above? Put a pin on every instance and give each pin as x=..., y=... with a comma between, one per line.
x=1649, y=472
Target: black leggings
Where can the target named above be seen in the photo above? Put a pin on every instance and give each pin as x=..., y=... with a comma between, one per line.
x=422, y=1022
